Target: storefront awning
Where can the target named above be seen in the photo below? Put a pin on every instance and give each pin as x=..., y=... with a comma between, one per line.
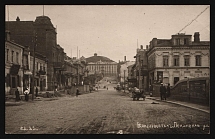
x=27, y=72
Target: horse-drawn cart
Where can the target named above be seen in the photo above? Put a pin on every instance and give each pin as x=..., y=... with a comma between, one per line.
x=137, y=94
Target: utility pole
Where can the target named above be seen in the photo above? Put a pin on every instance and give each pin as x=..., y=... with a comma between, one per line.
x=35, y=42
x=124, y=81
x=139, y=74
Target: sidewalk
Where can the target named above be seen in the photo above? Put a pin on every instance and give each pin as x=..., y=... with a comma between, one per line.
x=185, y=104
x=181, y=103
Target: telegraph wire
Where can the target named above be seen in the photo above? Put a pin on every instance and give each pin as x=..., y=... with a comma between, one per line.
x=194, y=19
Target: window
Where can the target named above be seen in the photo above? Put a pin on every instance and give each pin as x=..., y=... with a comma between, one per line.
x=198, y=60
x=37, y=65
x=177, y=41
x=186, y=61
x=165, y=61
x=12, y=56
x=176, y=61
x=185, y=41
x=41, y=67
x=7, y=54
x=44, y=68
x=17, y=57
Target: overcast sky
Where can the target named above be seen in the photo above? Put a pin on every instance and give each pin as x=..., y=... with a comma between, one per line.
x=112, y=30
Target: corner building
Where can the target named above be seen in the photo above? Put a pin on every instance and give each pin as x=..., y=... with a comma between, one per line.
x=171, y=60
x=40, y=34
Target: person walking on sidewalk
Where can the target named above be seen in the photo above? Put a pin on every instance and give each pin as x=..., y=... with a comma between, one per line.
x=36, y=91
x=162, y=91
x=17, y=95
x=26, y=92
x=168, y=90
x=77, y=92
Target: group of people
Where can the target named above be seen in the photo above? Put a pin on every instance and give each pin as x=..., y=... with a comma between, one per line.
x=26, y=93
x=164, y=91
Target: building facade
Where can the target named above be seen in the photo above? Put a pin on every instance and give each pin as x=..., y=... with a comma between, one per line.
x=40, y=75
x=141, y=68
x=101, y=65
x=124, y=70
x=171, y=60
x=13, y=66
x=42, y=35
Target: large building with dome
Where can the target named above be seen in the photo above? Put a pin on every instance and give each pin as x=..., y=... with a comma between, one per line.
x=101, y=65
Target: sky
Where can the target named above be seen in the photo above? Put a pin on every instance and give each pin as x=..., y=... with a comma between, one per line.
x=115, y=31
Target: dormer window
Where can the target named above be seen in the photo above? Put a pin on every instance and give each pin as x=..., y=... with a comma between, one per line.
x=177, y=41
x=185, y=41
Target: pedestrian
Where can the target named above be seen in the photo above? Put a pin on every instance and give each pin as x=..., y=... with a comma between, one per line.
x=26, y=92
x=77, y=92
x=107, y=88
x=168, y=90
x=162, y=91
x=17, y=95
x=36, y=91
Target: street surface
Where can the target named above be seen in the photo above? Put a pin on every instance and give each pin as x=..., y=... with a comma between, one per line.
x=104, y=112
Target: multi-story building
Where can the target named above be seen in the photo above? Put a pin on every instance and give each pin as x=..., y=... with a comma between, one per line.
x=124, y=70
x=101, y=65
x=141, y=68
x=13, y=66
x=171, y=60
x=40, y=76
x=132, y=80
x=42, y=35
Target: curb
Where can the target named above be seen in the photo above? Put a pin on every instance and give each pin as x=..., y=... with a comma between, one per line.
x=206, y=111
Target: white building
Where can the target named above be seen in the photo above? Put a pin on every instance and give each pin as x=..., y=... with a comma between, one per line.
x=13, y=66
x=170, y=60
x=124, y=69
x=100, y=64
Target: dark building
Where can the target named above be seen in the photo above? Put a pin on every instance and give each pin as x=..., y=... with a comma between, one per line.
x=40, y=34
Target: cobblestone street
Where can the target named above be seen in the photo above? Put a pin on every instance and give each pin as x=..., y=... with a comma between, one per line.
x=103, y=112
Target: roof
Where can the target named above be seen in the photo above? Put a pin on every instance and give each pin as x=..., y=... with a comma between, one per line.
x=96, y=58
x=163, y=42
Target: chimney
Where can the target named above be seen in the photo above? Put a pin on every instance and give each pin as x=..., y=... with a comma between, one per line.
x=141, y=46
x=17, y=19
x=95, y=54
x=147, y=47
x=7, y=35
x=154, y=41
x=125, y=58
x=196, y=37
